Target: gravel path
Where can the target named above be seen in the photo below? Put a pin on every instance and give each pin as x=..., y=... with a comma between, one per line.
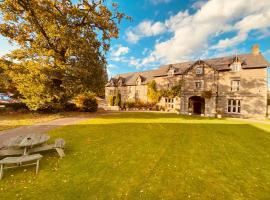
x=40, y=127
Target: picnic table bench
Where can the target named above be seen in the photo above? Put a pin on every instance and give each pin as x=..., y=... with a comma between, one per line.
x=18, y=162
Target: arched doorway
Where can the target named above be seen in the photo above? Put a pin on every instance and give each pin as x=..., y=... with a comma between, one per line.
x=196, y=105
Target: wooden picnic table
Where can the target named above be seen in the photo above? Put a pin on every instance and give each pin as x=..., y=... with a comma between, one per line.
x=27, y=141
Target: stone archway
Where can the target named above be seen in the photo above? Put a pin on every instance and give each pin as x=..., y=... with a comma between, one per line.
x=196, y=105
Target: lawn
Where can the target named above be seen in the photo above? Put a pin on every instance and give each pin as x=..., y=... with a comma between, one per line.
x=12, y=120
x=151, y=156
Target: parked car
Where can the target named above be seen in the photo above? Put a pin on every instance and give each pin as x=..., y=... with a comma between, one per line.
x=5, y=98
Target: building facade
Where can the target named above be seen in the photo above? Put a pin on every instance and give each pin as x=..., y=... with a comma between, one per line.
x=234, y=86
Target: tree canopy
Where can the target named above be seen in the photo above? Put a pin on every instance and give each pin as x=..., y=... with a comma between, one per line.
x=61, y=47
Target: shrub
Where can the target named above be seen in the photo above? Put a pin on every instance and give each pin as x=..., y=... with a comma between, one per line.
x=90, y=105
x=111, y=100
x=130, y=104
x=86, y=102
x=70, y=107
x=152, y=93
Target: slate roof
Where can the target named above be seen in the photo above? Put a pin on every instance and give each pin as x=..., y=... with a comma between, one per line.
x=249, y=61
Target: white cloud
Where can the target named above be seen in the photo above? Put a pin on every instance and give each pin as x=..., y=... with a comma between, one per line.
x=119, y=51
x=198, y=4
x=256, y=21
x=155, y=2
x=110, y=69
x=191, y=33
x=145, y=29
x=132, y=37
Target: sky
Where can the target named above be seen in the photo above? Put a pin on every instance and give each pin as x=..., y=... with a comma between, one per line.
x=172, y=31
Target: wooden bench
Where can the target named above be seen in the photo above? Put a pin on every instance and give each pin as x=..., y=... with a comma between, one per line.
x=18, y=162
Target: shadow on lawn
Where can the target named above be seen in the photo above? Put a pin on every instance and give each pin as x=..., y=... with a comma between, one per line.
x=153, y=115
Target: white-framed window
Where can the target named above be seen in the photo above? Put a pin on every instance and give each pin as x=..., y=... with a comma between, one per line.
x=139, y=81
x=235, y=85
x=169, y=103
x=198, y=84
x=120, y=83
x=199, y=70
x=234, y=106
x=171, y=72
x=236, y=66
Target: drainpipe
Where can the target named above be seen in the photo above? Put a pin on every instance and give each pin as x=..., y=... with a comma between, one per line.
x=217, y=92
x=267, y=80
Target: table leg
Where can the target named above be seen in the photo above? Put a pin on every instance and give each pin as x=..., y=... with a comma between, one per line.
x=25, y=152
x=37, y=166
x=1, y=171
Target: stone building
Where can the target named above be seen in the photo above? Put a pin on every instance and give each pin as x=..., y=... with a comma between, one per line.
x=234, y=86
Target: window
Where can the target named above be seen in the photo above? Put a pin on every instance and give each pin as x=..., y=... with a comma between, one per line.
x=235, y=66
x=198, y=84
x=169, y=103
x=120, y=83
x=199, y=70
x=171, y=72
x=234, y=106
x=137, y=94
x=235, y=85
x=111, y=92
x=139, y=81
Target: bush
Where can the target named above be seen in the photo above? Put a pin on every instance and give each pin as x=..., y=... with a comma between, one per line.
x=70, y=107
x=86, y=102
x=90, y=105
x=130, y=104
x=111, y=100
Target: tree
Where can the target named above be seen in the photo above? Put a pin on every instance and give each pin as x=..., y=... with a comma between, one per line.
x=117, y=101
x=152, y=93
x=62, y=47
x=5, y=80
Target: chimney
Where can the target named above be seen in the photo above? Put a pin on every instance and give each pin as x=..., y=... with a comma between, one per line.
x=255, y=49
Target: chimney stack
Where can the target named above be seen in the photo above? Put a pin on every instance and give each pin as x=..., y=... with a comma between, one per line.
x=255, y=49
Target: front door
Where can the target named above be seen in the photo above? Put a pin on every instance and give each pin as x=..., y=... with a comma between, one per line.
x=197, y=107
x=196, y=104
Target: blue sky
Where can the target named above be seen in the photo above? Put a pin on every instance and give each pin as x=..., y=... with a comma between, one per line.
x=171, y=31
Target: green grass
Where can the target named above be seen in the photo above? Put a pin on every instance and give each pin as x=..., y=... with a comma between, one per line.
x=12, y=120
x=151, y=156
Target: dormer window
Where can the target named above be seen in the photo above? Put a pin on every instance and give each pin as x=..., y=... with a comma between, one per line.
x=199, y=71
x=139, y=81
x=171, y=72
x=120, y=82
x=236, y=66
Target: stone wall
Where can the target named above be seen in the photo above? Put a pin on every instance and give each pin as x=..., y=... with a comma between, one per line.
x=252, y=92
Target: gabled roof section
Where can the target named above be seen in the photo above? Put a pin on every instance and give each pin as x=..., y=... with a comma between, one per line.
x=248, y=61
x=199, y=62
x=131, y=78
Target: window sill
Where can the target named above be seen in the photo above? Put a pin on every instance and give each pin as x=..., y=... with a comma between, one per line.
x=233, y=113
